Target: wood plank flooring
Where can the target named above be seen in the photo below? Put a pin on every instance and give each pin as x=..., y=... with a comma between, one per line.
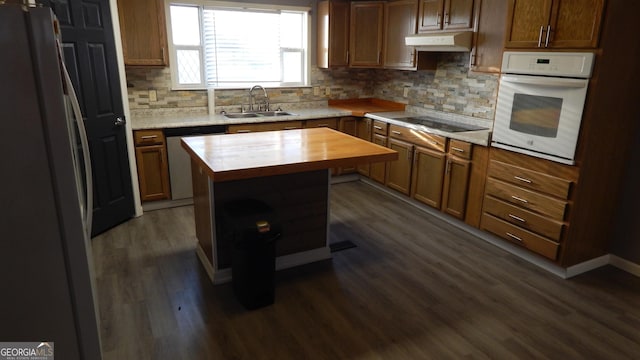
x=413, y=288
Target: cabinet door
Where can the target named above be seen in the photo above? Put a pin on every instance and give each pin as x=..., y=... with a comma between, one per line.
x=378, y=171
x=143, y=32
x=153, y=172
x=366, y=34
x=526, y=22
x=399, y=171
x=428, y=176
x=458, y=14
x=400, y=21
x=575, y=23
x=454, y=198
x=430, y=15
x=333, y=33
x=486, y=55
x=553, y=23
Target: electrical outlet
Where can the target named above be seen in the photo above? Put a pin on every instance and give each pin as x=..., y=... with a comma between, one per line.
x=406, y=92
x=327, y=91
x=316, y=90
x=153, y=96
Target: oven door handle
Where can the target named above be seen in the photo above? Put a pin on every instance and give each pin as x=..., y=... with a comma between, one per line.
x=545, y=81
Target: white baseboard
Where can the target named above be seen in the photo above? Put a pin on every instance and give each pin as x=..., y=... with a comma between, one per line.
x=588, y=265
x=165, y=204
x=624, y=264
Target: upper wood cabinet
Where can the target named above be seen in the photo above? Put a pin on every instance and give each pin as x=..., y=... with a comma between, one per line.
x=401, y=18
x=489, y=27
x=553, y=23
x=366, y=34
x=333, y=33
x=445, y=15
x=143, y=32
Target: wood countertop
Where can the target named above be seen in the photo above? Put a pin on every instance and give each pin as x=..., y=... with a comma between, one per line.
x=360, y=107
x=249, y=155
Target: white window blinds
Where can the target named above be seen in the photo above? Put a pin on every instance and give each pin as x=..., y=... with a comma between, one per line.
x=239, y=47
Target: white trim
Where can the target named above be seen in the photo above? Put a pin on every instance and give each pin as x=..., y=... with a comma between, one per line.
x=133, y=169
x=588, y=265
x=205, y=261
x=624, y=264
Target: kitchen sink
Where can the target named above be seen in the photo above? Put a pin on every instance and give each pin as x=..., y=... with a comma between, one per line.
x=257, y=114
x=274, y=113
x=241, y=115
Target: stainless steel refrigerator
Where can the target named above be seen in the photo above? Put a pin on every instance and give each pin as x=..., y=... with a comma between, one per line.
x=47, y=290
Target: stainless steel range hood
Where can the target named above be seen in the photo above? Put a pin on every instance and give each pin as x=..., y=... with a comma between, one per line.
x=441, y=41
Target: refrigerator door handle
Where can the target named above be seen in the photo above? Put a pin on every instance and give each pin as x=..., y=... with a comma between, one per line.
x=84, y=141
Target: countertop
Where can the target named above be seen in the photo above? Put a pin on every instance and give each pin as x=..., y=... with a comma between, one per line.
x=478, y=137
x=176, y=120
x=250, y=155
x=376, y=109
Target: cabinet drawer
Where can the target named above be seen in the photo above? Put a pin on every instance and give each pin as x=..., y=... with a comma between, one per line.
x=420, y=138
x=529, y=240
x=148, y=137
x=523, y=218
x=245, y=128
x=530, y=179
x=330, y=123
x=380, y=127
x=460, y=149
x=527, y=199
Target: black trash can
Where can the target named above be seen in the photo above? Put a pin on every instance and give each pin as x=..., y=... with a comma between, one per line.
x=255, y=229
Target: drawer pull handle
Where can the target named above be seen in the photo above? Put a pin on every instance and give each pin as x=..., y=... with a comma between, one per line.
x=432, y=142
x=513, y=236
x=377, y=127
x=517, y=218
x=321, y=125
x=396, y=132
x=243, y=131
x=290, y=127
x=523, y=179
x=519, y=199
x=148, y=137
x=457, y=149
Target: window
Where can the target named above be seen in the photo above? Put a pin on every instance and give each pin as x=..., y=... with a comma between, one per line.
x=223, y=46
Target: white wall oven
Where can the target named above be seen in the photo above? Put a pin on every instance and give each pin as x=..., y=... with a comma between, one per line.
x=540, y=103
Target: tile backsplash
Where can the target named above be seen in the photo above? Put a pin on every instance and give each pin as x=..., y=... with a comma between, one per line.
x=450, y=88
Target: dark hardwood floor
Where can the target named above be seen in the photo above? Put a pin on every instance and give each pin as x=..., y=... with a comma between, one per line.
x=414, y=287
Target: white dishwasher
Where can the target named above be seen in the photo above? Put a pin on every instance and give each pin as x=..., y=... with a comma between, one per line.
x=179, y=160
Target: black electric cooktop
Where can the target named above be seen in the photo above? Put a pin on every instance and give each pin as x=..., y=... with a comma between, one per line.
x=438, y=124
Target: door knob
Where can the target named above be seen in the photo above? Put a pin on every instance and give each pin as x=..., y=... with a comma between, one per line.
x=119, y=121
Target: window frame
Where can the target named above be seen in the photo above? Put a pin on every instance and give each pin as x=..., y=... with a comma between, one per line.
x=306, y=51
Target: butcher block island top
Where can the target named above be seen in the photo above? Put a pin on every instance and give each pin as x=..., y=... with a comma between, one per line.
x=249, y=155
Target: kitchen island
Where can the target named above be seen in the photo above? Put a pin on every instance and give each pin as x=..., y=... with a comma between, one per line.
x=289, y=170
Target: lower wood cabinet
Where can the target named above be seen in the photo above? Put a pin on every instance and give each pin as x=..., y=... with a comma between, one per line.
x=456, y=178
x=428, y=176
x=399, y=171
x=456, y=183
x=153, y=169
x=378, y=171
x=526, y=205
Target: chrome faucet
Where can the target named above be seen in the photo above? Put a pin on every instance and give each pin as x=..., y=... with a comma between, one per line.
x=252, y=99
